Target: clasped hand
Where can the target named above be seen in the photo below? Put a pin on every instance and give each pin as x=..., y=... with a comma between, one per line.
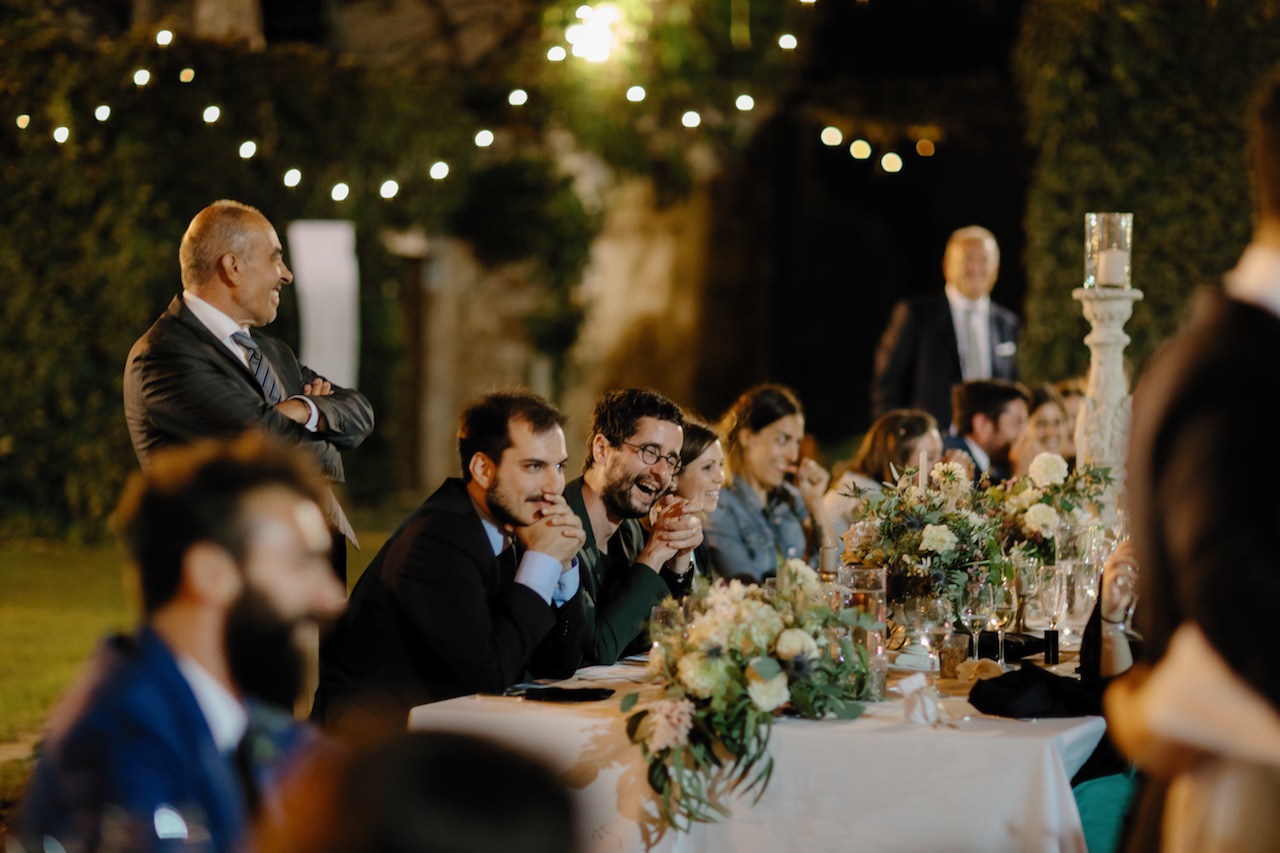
x=556, y=531
x=676, y=531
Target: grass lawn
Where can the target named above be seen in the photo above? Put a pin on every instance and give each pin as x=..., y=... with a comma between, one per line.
x=56, y=601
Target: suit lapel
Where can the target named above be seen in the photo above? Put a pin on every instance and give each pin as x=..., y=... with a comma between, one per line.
x=183, y=315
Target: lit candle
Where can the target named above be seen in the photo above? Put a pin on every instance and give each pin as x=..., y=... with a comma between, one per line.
x=1111, y=267
x=924, y=477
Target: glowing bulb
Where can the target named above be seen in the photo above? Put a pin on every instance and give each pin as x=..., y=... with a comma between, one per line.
x=484, y=139
x=635, y=94
x=518, y=98
x=691, y=119
x=23, y=121
x=746, y=103
x=247, y=149
x=186, y=75
x=573, y=35
x=787, y=42
x=925, y=148
x=388, y=189
x=557, y=54
x=593, y=39
x=340, y=192
x=61, y=135
x=164, y=38
x=439, y=170
x=831, y=136
x=211, y=114
x=891, y=162
x=583, y=12
x=102, y=113
x=293, y=177
x=860, y=149
x=141, y=77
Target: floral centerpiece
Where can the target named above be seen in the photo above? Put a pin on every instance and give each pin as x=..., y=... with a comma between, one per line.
x=1030, y=509
x=933, y=536
x=729, y=658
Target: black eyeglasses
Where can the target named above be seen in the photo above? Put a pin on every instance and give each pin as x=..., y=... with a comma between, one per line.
x=650, y=455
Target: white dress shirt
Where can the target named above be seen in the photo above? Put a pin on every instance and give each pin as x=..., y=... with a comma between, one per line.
x=972, y=320
x=542, y=573
x=227, y=718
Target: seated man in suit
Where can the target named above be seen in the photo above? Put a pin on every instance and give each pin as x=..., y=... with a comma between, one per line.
x=633, y=454
x=935, y=342
x=990, y=416
x=476, y=589
x=158, y=746
x=199, y=373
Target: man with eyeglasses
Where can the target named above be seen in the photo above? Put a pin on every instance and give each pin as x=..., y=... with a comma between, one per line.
x=633, y=455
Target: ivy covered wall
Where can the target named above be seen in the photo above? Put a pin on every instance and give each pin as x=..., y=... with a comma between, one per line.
x=1136, y=105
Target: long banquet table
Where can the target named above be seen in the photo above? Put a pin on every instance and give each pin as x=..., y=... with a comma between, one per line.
x=876, y=783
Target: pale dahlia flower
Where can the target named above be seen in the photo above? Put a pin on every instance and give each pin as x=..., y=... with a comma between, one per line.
x=794, y=643
x=937, y=538
x=1040, y=518
x=1048, y=469
x=770, y=694
x=669, y=722
x=701, y=675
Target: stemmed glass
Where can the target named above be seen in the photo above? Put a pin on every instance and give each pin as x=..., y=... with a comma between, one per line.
x=933, y=624
x=1053, y=594
x=1003, y=600
x=973, y=612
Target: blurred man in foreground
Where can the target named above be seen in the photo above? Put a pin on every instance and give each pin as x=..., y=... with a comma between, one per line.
x=160, y=745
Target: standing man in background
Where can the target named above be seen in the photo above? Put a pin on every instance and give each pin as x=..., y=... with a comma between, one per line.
x=939, y=341
x=198, y=371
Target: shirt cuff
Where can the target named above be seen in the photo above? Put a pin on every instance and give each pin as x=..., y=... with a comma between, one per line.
x=314, y=420
x=567, y=587
x=540, y=572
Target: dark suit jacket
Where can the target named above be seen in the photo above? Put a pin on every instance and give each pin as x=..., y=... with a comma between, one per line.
x=130, y=738
x=182, y=384
x=995, y=471
x=918, y=358
x=437, y=615
x=1203, y=514
x=619, y=592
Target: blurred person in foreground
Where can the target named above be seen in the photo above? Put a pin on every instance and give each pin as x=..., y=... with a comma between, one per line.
x=477, y=588
x=427, y=792
x=200, y=372
x=894, y=443
x=1200, y=714
x=960, y=335
x=161, y=745
x=633, y=447
x=771, y=510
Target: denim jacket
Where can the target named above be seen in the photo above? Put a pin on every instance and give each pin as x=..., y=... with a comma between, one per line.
x=746, y=540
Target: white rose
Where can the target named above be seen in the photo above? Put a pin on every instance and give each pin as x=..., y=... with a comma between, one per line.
x=937, y=538
x=1048, y=469
x=768, y=695
x=794, y=643
x=1040, y=518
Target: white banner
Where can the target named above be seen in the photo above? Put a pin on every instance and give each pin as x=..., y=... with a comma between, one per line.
x=322, y=255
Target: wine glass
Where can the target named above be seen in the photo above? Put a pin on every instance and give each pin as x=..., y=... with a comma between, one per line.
x=933, y=623
x=1053, y=594
x=1003, y=600
x=973, y=612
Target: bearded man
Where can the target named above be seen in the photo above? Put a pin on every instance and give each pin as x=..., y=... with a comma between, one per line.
x=633, y=455
x=161, y=745
x=476, y=590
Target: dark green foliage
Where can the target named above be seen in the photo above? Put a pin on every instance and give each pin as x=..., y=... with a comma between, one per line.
x=1136, y=105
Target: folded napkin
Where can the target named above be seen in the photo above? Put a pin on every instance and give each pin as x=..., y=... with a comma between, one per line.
x=1016, y=646
x=921, y=700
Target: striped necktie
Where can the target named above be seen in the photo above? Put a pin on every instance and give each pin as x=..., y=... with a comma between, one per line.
x=260, y=367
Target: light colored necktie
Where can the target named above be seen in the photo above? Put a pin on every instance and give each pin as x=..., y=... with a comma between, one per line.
x=260, y=367
x=977, y=366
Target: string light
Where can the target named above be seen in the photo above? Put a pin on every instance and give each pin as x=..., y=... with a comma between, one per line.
x=247, y=149
x=439, y=170
x=746, y=103
x=388, y=189
x=141, y=77
x=61, y=135
x=925, y=148
x=164, y=38
x=186, y=75
x=635, y=94
x=891, y=162
x=557, y=54
x=518, y=98
x=293, y=177
x=23, y=121
x=583, y=12
x=211, y=114
x=484, y=139
x=787, y=42
x=691, y=119
x=831, y=136
x=593, y=39
x=340, y=192
x=102, y=113
x=860, y=149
